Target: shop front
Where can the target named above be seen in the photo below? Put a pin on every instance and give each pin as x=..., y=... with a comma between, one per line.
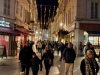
x=4, y=41
x=93, y=37
x=24, y=37
x=6, y=36
x=55, y=36
x=85, y=32
x=93, y=33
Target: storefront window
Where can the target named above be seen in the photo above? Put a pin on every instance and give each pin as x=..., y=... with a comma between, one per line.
x=85, y=38
x=99, y=40
x=96, y=40
x=4, y=40
x=93, y=40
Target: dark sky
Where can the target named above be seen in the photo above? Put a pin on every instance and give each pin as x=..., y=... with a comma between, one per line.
x=46, y=11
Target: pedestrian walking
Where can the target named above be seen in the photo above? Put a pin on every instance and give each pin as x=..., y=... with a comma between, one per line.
x=81, y=49
x=89, y=65
x=4, y=52
x=62, y=47
x=43, y=47
x=92, y=48
x=99, y=59
x=86, y=47
x=48, y=59
x=69, y=57
x=25, y=56
x=35, y=62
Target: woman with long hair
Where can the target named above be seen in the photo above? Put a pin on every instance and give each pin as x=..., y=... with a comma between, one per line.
x=48, y=58
x=89, y=65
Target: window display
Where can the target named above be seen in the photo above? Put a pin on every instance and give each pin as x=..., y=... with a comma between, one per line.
x=93, y=40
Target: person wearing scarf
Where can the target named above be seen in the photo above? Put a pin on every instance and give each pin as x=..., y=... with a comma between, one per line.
x=89, y=65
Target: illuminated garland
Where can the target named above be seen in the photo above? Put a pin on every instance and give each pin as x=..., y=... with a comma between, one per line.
x=41, y=15
x=49, y=15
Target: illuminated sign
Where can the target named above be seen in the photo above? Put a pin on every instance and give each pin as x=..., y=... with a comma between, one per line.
x=4, y=23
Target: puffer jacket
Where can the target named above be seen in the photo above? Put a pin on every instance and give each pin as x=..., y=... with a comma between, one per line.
x=69, y=55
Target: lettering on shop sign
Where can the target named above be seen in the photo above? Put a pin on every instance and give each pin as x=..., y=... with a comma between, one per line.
x=17, y=26
x=4, y=23
x=89, y=26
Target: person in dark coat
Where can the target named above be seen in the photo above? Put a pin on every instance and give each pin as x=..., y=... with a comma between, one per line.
x=81, y=49
x=92, y=48
x=62, y=47
x=25, y=56
x=35, y=62
x=48, y=59
x=69, y=57
x=4, y=52
x=89, y=65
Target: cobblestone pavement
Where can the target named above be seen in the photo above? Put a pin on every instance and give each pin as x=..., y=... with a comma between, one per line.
x=11, y=66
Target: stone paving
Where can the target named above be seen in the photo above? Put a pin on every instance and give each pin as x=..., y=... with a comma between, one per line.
x=11, y=66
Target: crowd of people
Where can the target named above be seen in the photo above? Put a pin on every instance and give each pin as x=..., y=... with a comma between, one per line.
x=29, y=59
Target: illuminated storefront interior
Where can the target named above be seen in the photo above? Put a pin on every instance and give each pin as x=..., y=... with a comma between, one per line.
x=94, y=39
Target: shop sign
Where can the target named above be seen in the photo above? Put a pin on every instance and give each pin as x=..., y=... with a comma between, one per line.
x=17, y=26
x=89, y=27
x=4, y=23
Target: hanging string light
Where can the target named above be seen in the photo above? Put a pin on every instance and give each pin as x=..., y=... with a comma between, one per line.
x=49, y=11
x=49, y=15
x=54, y=11
x=46, y=14
x=41, y=15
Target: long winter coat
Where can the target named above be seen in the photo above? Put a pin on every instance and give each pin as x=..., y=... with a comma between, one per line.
x=35, y=62
x=47, y=56
x=25, y=55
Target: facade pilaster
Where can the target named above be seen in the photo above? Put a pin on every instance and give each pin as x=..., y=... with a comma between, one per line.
x=79, y=37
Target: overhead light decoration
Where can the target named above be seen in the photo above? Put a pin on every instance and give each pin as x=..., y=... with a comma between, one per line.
x=44, y=11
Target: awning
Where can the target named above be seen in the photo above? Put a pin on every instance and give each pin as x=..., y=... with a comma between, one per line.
x=8, y=31
x=25, y=32
x=94, y=33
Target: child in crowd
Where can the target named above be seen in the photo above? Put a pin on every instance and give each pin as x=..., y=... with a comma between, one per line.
x=35, y=62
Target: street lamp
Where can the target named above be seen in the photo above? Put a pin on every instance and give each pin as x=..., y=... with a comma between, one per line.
x=36, y=32
x=61, y=24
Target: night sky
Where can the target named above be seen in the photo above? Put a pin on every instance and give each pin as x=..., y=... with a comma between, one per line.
x=46, y=12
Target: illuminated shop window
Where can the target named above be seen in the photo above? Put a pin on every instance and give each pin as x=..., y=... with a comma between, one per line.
x=93, y=40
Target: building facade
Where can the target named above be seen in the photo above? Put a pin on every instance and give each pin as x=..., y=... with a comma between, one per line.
x=26, y=18
x=16, y=18
x=7, y=19
x=82, y=20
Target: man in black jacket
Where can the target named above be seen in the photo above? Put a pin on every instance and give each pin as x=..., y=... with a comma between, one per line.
x=69, y=57
x=25, y=56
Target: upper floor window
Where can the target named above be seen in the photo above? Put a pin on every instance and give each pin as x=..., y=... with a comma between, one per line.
x=94, y=10
x=20, y=10
x=6, y=7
